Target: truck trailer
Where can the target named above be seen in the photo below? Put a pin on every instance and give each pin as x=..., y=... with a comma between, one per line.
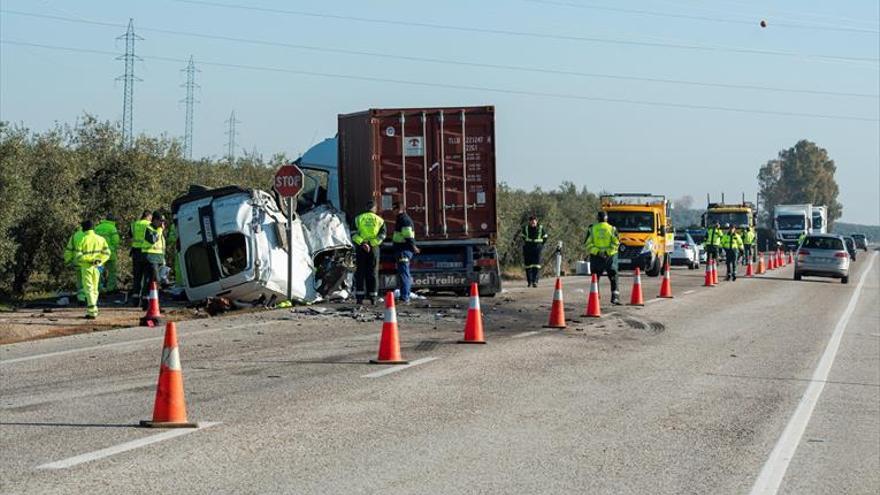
x=440, y=164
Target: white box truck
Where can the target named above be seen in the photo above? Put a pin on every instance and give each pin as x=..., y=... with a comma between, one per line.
x=791, y=221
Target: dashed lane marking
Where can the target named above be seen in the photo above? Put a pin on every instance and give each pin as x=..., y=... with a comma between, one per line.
x=688, y=292
x=399, y=367
x=123, y=447
x=526, y=334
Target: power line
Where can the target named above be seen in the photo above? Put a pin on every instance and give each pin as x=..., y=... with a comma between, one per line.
x=231, y=134
x=693, y=17
x=461, y=63
x=190, y=102
x=128, y=79
x=530, y=34
x=563, y=96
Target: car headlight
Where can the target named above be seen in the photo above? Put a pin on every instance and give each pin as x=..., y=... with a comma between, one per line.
x=648, y=247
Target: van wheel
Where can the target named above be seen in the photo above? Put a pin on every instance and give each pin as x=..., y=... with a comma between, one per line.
x=797, y=276
x=845, y=280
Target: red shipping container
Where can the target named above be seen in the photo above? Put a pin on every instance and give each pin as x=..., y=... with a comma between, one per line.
x=439, y=162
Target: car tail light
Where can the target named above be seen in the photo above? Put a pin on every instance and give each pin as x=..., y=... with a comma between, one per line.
x=486, y=262
x=841, y=254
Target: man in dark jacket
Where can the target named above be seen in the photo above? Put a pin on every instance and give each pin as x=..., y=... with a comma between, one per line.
x=404, y=238
x=534, y=237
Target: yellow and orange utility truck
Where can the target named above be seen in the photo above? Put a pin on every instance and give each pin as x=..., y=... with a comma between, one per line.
x=741, y=215
x=645, y=227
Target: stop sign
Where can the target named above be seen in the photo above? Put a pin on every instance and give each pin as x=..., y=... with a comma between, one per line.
x=288, y=180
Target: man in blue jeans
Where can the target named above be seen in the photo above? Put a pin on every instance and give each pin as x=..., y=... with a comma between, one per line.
x=405, y=248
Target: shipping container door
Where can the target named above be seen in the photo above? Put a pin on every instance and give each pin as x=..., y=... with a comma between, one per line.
x=402, y=173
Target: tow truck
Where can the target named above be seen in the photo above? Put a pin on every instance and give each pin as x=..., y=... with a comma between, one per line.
x=644, y=224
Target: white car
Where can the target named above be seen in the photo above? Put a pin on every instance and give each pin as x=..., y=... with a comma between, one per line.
x=687, y=252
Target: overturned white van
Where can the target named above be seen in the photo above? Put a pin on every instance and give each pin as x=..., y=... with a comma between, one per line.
x=232, y=243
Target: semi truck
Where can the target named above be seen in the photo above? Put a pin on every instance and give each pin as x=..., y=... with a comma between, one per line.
x=791, y=221
x=644, y=224
x=820, y=220
x=439, y=163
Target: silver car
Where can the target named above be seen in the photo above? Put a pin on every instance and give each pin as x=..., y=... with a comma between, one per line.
x=822, y=255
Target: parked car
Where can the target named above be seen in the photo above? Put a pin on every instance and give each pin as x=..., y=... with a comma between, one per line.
x=850, y=247
x=861, y=241
x=699, y=236
x=822, y=255
x=686, y=252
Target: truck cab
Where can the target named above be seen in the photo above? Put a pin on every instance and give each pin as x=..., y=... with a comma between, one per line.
x=644, y=225
x=820, y=220
x=792, y=221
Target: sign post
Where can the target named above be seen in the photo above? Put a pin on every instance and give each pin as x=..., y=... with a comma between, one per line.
x=288, y=183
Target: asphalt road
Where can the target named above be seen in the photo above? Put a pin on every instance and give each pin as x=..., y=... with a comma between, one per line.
x=702, y=393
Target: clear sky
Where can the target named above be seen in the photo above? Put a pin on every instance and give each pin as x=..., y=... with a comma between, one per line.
x=551, y=127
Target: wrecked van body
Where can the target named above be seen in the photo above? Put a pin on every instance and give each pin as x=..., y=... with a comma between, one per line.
x=232, y=243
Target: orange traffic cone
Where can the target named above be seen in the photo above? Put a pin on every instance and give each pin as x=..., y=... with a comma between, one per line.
x=153, y=317
x=557, y=311
x=714, y=272
x=771, y=261
x=761, y=269
x=666, y=284
x=593, y=307
x=790, y=258
x=749, y=272
x=170, y=408
x=389, y=344
x=473, y=326
x=636, y=299
x=780, y=259
x=707, y=282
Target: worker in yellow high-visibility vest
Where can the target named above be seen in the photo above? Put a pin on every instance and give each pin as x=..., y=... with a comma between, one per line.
x=368, y=234
x=603, y=243
x=91, y=253
x=139, y=263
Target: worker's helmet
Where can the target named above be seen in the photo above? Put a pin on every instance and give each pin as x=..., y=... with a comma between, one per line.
x=602, y=216
x=726, y=225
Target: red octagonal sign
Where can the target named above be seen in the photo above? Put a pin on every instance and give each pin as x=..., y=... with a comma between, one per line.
x=288, y=180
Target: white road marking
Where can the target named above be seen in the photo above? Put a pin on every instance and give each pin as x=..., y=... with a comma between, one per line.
x=399, y=367
x=526, y=334
x=773, y=472
x=131, y=342
x=68, y=397
x=689, y=291
x=652, y=301
x=123, y=447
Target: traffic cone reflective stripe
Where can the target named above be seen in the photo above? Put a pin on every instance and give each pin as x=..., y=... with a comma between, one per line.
x=707, y=282
x=473, y=326
x=666, y=284
x=389, y=343
x=593, y=306
x=557, y=310
x=153, y=317
x=169, y=410
x=636, y=299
